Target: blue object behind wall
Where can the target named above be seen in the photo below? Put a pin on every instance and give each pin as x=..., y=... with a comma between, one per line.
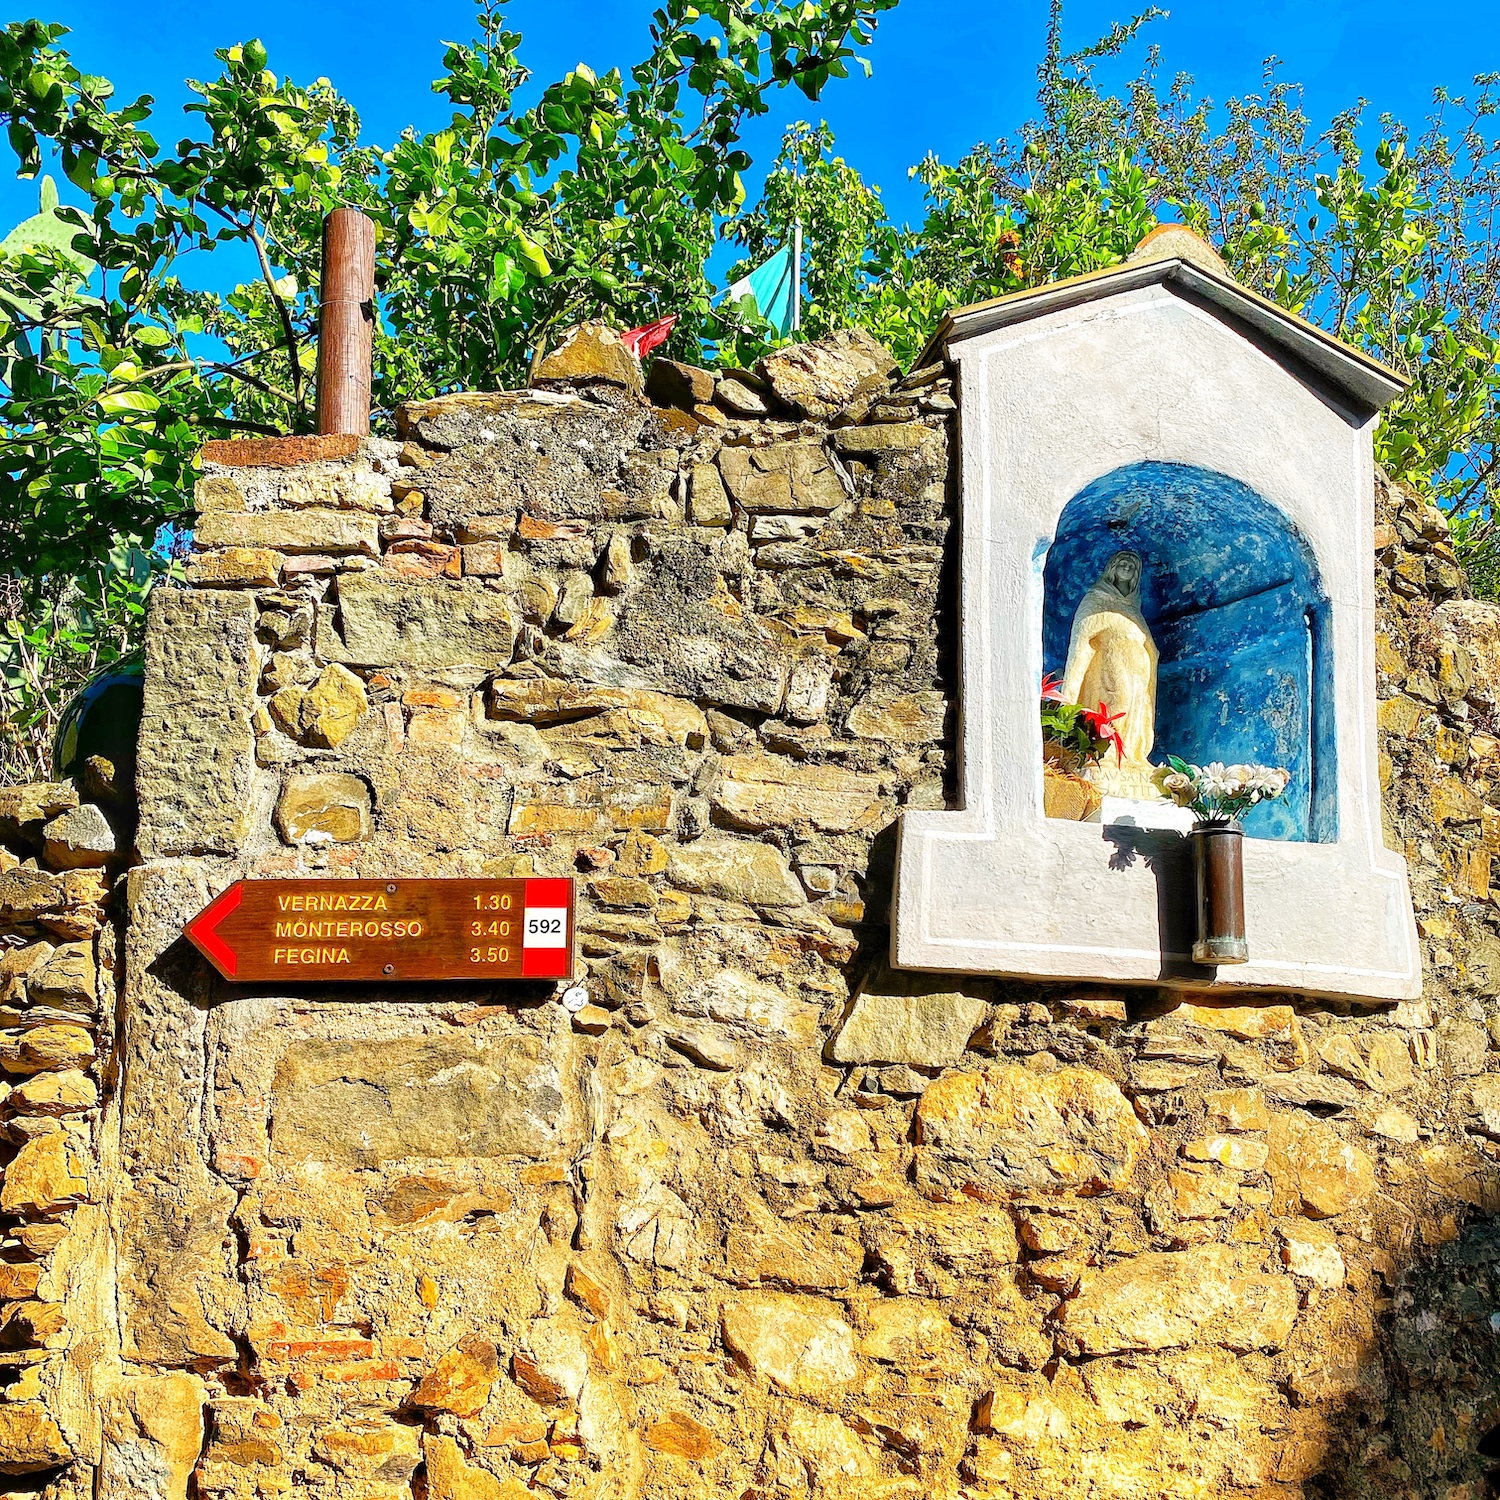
x=103, y=718
x=1232, y=596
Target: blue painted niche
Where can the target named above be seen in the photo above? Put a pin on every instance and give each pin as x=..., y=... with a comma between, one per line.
x=1231, y=593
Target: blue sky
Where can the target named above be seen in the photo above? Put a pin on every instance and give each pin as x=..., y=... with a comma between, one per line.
x=947, y=73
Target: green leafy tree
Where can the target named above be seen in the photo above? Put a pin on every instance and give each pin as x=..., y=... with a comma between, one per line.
x=979, y=238
x=1392, y=248
x=104, y=401
x=841, y=218
x=604, y=198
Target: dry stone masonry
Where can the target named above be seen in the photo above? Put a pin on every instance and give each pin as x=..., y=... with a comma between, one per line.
x=765, y=1219
x=59, y=963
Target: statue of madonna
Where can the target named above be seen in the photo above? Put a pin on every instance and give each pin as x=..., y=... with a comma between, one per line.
x=1112, y=659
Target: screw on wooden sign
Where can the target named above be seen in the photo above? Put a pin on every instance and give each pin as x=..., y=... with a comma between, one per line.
x=322, y=931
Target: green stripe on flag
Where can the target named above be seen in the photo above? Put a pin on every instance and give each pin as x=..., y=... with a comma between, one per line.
x=770, y=287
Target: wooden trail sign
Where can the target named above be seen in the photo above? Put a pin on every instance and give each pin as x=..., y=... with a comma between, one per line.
x=322, y=931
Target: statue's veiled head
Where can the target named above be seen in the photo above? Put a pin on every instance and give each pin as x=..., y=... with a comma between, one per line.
x=1123, y=572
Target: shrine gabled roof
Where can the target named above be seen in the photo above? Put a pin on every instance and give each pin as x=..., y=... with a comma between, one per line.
x=1366, y=381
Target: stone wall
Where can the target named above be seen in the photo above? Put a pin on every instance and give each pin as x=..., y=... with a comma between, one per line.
x=60, y=847
x=763, y=1219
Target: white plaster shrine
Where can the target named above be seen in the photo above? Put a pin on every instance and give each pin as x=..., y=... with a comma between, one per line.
x=1162, y=362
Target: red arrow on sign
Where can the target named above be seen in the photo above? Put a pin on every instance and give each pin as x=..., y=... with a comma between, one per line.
x=203, y=930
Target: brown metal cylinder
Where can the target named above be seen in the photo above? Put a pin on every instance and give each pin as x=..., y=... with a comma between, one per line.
x=346, y=323
x=1218, y=857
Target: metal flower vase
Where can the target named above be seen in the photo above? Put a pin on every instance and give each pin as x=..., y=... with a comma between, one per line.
x=1218, y=858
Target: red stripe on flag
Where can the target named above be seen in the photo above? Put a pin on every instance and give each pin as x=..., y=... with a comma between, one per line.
x=641, y=341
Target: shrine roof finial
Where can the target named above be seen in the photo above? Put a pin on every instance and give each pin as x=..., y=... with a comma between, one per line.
x=1178, y=242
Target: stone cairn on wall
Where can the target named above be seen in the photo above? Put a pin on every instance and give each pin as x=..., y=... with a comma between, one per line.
x=764, y=1220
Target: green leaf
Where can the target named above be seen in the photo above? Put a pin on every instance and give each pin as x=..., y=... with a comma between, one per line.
x=118, y=403
x=532, y=256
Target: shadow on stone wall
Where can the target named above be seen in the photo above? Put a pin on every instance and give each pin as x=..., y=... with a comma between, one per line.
x=1421, y=1417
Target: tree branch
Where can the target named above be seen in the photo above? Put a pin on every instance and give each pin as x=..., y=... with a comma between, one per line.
x=287, y=330
x=251, y=380
x=235, y=426
x=1477, y=481
x=230, y=369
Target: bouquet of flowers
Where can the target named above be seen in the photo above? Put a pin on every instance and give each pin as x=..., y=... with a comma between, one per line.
x=1074, y=736
x=1218, y=793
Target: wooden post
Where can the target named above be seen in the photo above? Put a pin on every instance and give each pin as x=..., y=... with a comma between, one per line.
x=346, y=323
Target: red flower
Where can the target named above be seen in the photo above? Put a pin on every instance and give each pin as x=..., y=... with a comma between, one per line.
x=1102, y=726
x=1051, y=689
